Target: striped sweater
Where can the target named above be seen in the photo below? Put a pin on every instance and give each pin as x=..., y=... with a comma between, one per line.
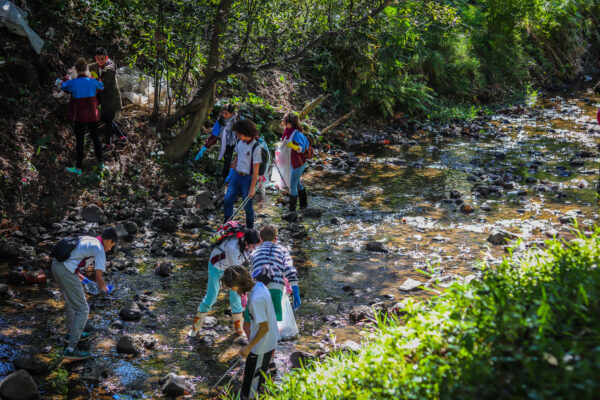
x=281, y=263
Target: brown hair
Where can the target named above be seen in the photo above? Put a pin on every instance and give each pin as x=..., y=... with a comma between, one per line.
x=291, y=118
x=245, y=127
x=81, y=65
x=238, y=276
x=268, y=233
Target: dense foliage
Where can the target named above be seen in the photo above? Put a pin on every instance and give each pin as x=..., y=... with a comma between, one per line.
x=528, y=329
x=421, y=54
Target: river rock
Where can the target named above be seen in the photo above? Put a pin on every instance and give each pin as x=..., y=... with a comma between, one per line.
x=130, y=312
x=93, y=213
x=410, y=284
x=586, y=154
x=530, y=180
x=500, y=237
x=121, y=231
x=131, y=227
x=567, y=219
x=33, y=365
x=9, y=251
x=336, y=221
x=377, y=247
x=163, y=269
x=485, y=207
x=454, y=194
x=300, y=358
x=312, y=212
x=129, y=345
x=209, y=322
x=577, y=162
x=350, y=346
x=173, y=385
x=359, y=313
x=290, y=217
x=4, y=290
x=166, y=224
x=18, y=386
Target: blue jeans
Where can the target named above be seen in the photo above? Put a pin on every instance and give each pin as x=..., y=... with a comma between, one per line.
x=239, y=185
x=295, y=183
x=212, y=291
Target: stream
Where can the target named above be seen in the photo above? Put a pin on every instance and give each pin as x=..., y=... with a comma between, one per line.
x=426, y=204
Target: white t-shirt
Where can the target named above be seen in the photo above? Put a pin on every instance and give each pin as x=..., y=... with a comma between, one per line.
x=231, y=250
x=88, y=247
x=261, y=309
x=243, y=150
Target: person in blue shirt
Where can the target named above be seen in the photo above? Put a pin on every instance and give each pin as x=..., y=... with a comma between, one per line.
x=222, y=130
x=299, y=144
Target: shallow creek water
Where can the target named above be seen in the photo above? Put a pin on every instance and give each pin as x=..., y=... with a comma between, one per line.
x=397, y=195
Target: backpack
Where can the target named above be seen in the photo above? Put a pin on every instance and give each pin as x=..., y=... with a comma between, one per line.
x=228, y=230
x=264, y=155
x=63, y=249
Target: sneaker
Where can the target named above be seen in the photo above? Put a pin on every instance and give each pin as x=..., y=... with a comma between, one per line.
x=74, y=170
x=84, y=336
x=121, y=140
x=107, y=148
x=75, y=355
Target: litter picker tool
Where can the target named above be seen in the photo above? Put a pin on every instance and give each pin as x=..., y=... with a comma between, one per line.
x=226, y=373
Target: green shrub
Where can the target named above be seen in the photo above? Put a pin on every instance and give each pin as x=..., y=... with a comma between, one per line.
x=527, y=329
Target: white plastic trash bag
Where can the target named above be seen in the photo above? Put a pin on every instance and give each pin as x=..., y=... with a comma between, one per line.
x=15, y=20
x=280, y=176
x=287, y=326
x=138, y=88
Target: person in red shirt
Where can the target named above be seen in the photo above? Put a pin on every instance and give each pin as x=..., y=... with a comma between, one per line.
x=299, y=144
x=83, y=111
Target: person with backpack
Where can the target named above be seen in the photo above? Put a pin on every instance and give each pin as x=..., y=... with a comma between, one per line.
x=263, y=328
x=223, y=130
x=244, y=171
x=69, y=257
x=83, y=111
x=110, y=99
x=301, y=150
x=232, y=248
x=272, y=256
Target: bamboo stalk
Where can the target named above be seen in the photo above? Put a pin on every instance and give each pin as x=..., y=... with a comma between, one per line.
x=313, y=104
x=338, y=122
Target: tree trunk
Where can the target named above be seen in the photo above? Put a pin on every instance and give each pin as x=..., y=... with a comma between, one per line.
x=179, y=146
x=205, y=98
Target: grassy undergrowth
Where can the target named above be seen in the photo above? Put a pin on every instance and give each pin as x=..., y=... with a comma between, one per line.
x=528, y=329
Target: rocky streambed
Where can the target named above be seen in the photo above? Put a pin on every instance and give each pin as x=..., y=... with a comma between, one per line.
x=397, y=214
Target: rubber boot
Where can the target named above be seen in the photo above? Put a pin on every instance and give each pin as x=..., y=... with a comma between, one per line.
x=303, y=199
x=293, y=201
x=197, y=325
x=238, y=322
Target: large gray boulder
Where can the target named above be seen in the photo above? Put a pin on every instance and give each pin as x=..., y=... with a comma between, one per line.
x=500, y=237
x=93, y=213
x=18, y=386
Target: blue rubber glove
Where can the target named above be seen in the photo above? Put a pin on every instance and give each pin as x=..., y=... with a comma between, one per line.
x=231, y=172
x=200, y=153
x=297, y=300
x=109, y=288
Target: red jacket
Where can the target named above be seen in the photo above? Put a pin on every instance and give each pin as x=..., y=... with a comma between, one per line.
x=83, y=106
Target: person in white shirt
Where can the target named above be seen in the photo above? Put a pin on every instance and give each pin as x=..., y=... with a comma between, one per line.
x=263, y=328
x=243, y=174
x=232, y=251
x=67, y=276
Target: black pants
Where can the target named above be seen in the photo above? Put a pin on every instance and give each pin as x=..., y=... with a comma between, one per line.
x=256, y=366
x=110, y=127
x=227, y=161
x=80, y=128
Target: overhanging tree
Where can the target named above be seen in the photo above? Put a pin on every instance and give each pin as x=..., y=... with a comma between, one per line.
x=254, y=35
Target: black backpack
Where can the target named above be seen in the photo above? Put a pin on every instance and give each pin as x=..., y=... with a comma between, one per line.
x=264, y=155
x=63, y=249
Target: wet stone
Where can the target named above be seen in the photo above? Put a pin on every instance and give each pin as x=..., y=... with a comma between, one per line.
x=377, y=247
x=129, y=345
x=577, y=162
x=486, y=207
x=164, y=269
x=32, y=365
x=131, y=227
x=500, y=237
x=18, y=386
x=209, y=321
x=173, y=385
x=291, y=217
x=566, y=219
x=336, y=221
x=298, y=359
x=350, y=346
x=410, y=284
x=312, y=213
x=359, y=313
x=130, y=312
x=93, y=213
